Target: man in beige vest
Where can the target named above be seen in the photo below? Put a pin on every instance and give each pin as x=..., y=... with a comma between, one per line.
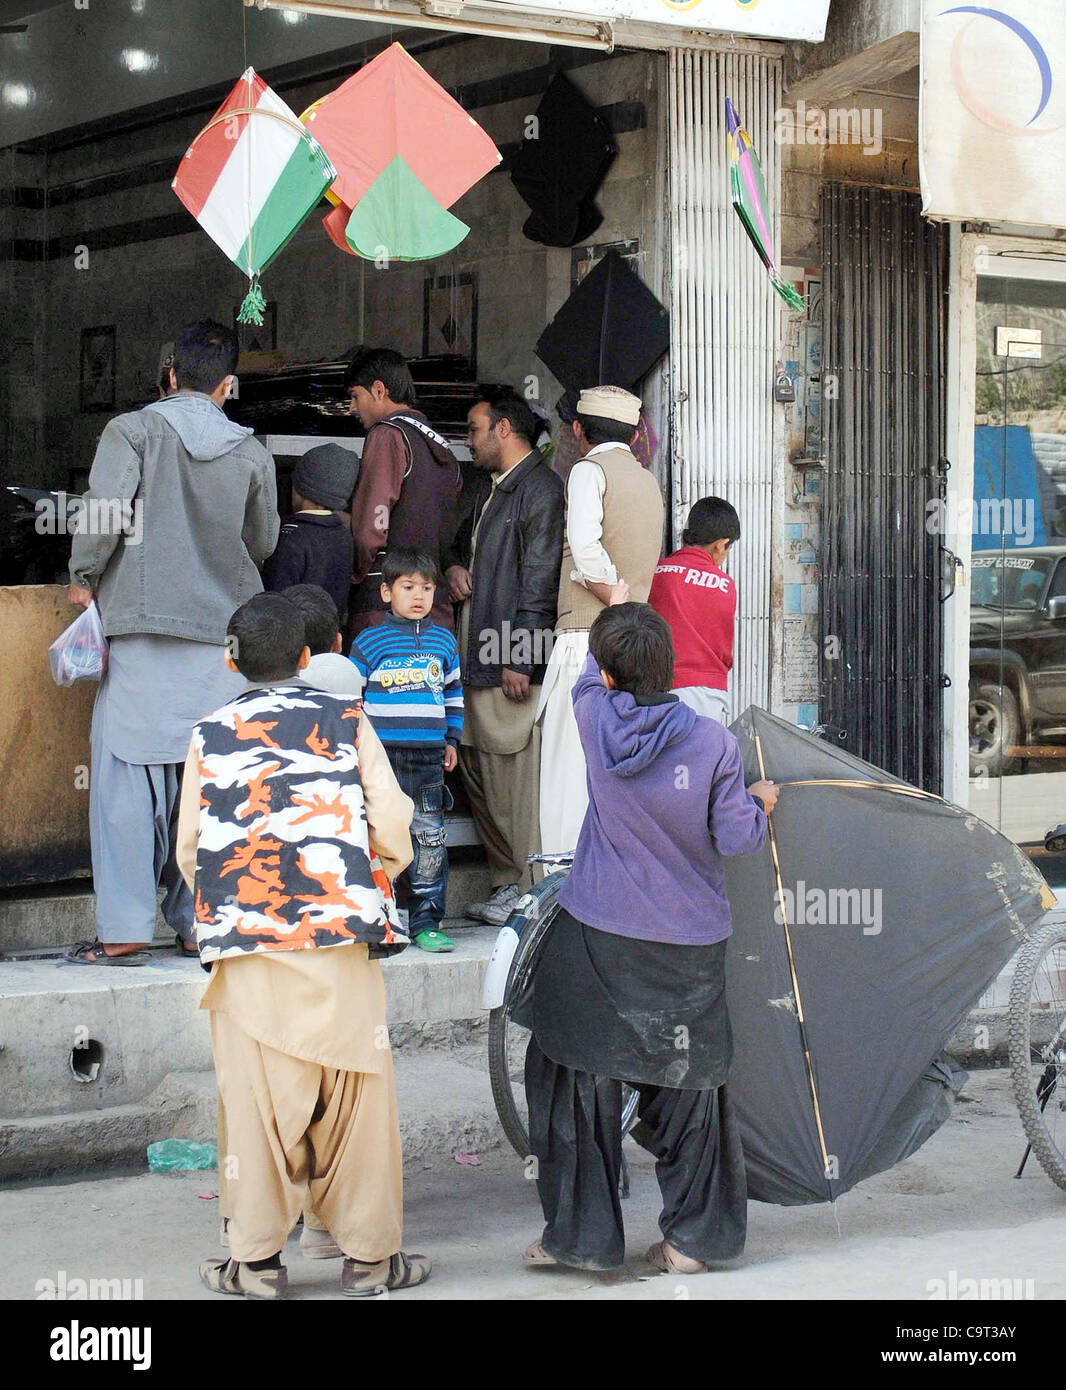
x=614, y=530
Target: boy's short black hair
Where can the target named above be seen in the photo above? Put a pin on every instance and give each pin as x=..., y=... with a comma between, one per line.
x=319, y=612
x=205, y=354
x=509, y=405
x=599, y=430
x=632, y=643
x=407, y=559
x=711, y=519
x=384, y=365
x=265, y=638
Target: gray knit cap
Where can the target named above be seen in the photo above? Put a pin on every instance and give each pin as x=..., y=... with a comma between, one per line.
x=326, y=474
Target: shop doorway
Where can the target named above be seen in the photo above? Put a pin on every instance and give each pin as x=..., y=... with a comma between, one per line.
x=1017, y=610
x=880, y=610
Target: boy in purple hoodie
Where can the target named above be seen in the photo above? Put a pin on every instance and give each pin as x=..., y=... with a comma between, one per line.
x=630, y=985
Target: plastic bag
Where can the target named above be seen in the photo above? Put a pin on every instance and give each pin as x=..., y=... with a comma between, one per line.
x=80, y=652
x=181, y=1156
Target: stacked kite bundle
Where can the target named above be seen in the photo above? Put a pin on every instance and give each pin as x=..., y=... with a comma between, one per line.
x=405, y=151
x=390, y=149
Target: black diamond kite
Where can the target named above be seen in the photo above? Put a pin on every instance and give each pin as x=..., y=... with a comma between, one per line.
x=610, y=332
x=561, y=165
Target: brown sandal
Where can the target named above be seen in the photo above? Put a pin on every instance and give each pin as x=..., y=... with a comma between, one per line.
x=667, y=1260
x=230, y=1276
x=399, y=1271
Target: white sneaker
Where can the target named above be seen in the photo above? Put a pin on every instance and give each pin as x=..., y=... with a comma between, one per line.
x=318, y=1245
x=499, y=907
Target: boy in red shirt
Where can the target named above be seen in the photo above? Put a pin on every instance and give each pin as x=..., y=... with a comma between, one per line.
x=699, y=602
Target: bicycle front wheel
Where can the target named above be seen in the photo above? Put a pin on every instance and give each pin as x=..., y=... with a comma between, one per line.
x=508, y=1039
x=1037, y=1023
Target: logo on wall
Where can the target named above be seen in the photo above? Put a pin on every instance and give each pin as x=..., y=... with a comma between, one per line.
x=966, y=93
x=691, y=4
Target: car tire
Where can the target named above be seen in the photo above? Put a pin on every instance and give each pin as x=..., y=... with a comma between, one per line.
x=995, y=725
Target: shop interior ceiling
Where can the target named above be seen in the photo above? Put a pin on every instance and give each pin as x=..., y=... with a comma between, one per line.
x=65, y=68
x=72, y=68
x=14, y=11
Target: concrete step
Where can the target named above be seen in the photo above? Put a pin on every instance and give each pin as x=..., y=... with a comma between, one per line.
x=144, y=1023
x=58, y=915
x=444, y=1100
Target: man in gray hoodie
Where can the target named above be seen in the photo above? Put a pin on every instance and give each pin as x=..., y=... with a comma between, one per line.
x=181, y=509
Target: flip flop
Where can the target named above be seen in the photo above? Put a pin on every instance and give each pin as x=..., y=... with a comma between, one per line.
x=179, y=946
x=434, y=941
x=80, y=952
x=536, y=1256
x=672, y=1261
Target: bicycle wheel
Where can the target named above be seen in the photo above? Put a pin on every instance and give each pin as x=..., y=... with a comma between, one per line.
x=1037, y=1024
x=508, y=1039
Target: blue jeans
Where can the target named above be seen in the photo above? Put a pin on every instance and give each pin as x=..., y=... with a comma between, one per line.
x=420, y=773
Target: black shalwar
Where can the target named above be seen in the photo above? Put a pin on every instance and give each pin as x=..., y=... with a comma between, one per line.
x=607, y=1009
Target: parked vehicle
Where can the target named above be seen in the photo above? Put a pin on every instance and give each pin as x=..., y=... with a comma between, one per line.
x=1017, y=654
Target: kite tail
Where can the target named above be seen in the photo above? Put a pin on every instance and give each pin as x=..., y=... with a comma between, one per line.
x=253, y=304
x=787, y=292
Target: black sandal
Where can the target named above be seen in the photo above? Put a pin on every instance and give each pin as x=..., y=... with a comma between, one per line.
x=80, y=952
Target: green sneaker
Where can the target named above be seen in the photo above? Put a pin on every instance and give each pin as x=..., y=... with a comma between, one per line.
x=434, y=941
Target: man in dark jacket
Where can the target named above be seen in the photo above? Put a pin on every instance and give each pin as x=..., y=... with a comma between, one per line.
x=504, y=569
x=409, y=482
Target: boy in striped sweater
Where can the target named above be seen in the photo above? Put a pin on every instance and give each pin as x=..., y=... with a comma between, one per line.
x=413, y=697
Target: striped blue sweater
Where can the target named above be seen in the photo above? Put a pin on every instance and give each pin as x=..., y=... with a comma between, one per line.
x=413, y=695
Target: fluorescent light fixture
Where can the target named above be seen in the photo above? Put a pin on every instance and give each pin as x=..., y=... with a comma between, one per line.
x=137, y=60
x=581, y=33
x=16, y=94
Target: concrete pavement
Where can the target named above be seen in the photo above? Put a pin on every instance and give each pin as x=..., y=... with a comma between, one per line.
x=953, y=1212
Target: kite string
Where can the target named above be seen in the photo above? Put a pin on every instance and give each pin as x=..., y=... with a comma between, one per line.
x=248, y=167
x=795, y=981
x=248, y=201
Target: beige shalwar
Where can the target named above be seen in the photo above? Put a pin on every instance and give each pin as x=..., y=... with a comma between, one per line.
x=307, y=1103
x=499, y=760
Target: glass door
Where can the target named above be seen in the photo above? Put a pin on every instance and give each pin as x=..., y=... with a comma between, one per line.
x=1017, y=677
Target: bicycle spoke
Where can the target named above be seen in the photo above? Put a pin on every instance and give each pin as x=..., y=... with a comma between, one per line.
x=1038, y=1048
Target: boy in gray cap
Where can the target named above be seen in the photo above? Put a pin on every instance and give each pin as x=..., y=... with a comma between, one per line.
x=315, y=545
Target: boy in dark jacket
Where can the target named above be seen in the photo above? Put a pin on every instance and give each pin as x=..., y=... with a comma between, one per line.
x=315, y=544
x=630, y=984
x=414, y=700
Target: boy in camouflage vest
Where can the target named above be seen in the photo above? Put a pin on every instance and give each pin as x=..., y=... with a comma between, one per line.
x=291, y=826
